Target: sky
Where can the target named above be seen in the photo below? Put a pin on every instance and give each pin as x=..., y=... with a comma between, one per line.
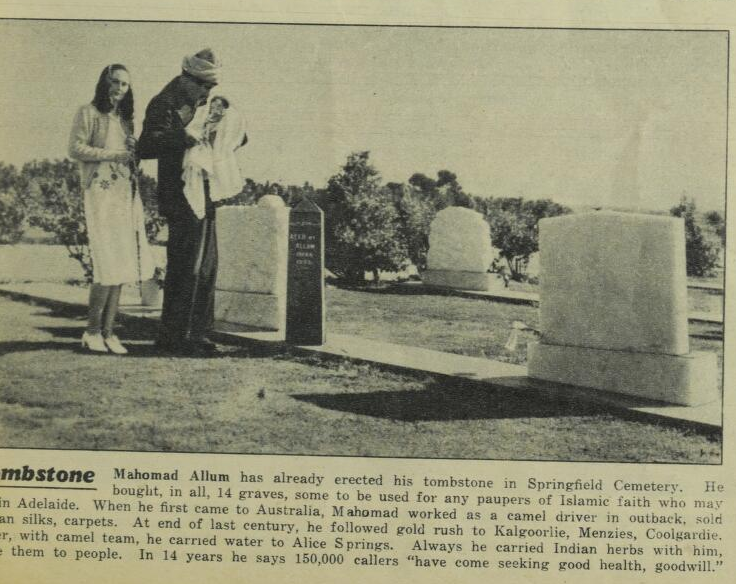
x=624, y=118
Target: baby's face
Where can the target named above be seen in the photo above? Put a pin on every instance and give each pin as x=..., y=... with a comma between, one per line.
x=217, y=109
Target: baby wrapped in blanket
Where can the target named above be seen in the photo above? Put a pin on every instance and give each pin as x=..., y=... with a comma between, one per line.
x=213, y=158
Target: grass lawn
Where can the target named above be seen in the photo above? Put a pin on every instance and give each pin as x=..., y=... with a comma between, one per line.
x=705, y=301
x=405, y=316
x=699, y=300
x=267, y=400
x=478, y=328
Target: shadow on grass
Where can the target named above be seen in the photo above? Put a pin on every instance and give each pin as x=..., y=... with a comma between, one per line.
x=716, y=336
x=403, y=289
x=127, y=328
x=8, y=347
x=706, y=332
x=137, y=333
x=448, y=400
x=445, y=400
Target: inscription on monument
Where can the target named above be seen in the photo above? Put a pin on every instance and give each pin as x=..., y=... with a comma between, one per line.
x=305, y=296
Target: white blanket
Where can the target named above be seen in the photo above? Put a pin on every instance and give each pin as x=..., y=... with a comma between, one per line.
x=218, y=161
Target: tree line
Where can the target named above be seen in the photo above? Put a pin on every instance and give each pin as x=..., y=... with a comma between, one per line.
x=370, y=226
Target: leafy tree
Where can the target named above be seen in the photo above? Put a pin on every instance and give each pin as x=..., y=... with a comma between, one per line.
x=252, y=191
x=52, y=195
x=417, y=204
x=514, y=227
x=451, y=194
x=701, y=253
x=716, y=222
x=361, y=222
x=538, y=209
x=294, y=194
x=12, y=218
x=423, y=184
x=443, y=192
x=12, y=213
x=516, y=241
x=415, y=214
x=8, y=176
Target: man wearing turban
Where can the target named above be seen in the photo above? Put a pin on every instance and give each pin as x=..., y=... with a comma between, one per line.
x=191, y=253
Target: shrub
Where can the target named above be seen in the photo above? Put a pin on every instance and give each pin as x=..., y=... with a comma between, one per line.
x=52, y=195
x=12, y=218
x=717, y=224
x=415, y=215
x=361, y=223
x=514, y=227
x=252, y=192
x=12, y=213
x=701, y=251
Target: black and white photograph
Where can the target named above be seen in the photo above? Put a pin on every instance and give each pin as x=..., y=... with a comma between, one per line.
x=421, y=242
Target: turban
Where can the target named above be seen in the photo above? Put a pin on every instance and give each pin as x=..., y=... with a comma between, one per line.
x=203, y=65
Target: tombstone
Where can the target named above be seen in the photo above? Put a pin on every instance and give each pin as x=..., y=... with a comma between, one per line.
x=252, y=246
x=613, y=308
x=460, y=251
x=305, y=297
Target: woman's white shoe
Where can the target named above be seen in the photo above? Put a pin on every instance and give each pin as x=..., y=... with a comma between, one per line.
x=113, y=343
x=94, y=343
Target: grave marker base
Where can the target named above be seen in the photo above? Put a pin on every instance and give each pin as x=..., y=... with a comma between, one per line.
x=688, y=380
x=267, y=311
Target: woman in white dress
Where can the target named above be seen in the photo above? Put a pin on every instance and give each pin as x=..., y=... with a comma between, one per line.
x=102, y=142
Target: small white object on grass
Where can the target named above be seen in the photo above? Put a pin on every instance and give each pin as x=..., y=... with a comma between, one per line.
x=513, y=341
x=510, y=345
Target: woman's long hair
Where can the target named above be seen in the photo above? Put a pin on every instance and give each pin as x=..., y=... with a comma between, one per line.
x=102, y=94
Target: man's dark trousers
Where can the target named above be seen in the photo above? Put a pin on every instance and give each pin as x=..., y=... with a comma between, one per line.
x=189, y=297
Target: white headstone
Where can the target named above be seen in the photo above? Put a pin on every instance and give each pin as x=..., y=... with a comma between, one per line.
x=460, y=251
x=613, y=308
x=252, y=250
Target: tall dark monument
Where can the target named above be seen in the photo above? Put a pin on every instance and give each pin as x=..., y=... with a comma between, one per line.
x=305, y=287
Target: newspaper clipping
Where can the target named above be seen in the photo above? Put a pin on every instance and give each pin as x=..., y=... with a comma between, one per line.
x=366, y=292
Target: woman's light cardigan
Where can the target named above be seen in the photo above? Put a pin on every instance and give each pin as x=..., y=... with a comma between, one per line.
x=87, y=141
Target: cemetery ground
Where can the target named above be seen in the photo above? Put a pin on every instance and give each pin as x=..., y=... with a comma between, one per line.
x=473, y=327
x=270, y=399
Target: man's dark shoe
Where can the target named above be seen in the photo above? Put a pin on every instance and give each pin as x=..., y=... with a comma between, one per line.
x=199, y=348
x=186, y=347
x=166, y=347
x=207, y=346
